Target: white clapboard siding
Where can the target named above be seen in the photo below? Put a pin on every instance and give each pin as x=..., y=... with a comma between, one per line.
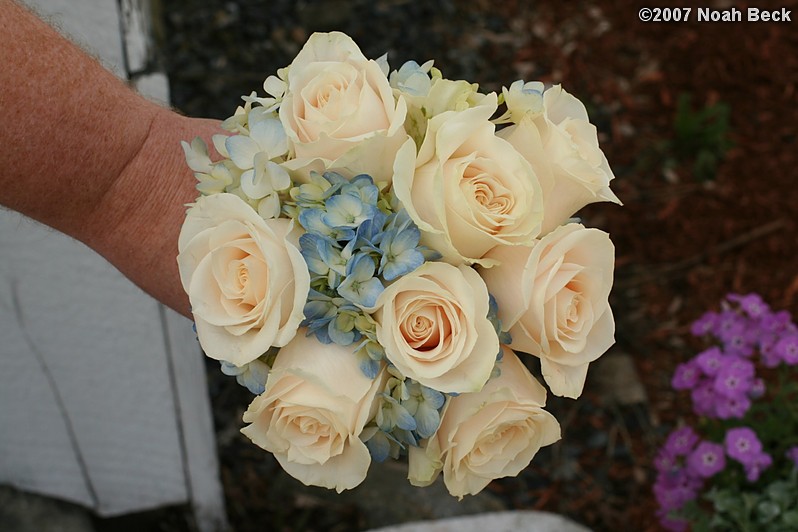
x=103, y=399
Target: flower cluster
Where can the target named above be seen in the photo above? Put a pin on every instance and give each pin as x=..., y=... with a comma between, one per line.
x=751, y=423
x=369, y=251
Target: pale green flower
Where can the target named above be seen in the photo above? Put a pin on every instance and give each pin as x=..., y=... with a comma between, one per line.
x=412, y=79
x=522, y=100
x=255, y=154
x=214, y=178
x=426, y=100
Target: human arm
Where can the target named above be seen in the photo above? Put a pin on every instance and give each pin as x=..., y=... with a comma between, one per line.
x=86, y=155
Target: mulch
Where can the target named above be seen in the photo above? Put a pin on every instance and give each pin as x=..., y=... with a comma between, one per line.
x=684, y=238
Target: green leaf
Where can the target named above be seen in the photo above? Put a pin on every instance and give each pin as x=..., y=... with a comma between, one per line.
x=790, y=518
x=767, y=511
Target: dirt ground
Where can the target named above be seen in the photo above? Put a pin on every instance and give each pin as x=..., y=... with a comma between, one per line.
x=709, y=196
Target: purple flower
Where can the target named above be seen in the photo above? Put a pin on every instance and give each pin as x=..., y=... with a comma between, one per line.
x=740, y=341
x=673, y=524
x=757, y=389
x=686, y=375
x=710, y=361
x=704, y=399
x=792, y=454
x=707, y=459
x=743, y=445
x=729, y=322
x=665, y=461
x=705, y=324
x=751, y=304
x=787, y=349
x=681, y=441
x=757, y=464
x=735, y=379
x=731, y=407
x=767, y=351
x=776, y=322
x=673, y=490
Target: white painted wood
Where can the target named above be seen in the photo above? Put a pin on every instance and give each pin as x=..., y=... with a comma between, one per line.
x=99, y=343
x=198, y=443
x=103, y=399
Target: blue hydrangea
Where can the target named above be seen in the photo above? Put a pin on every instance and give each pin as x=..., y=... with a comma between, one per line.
x=251, y=376
x=356, y=240
x=407, y=413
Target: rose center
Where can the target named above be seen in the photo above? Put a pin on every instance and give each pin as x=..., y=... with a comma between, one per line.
x=492, y=203
x=569, y=313
x=323, y=98
x=242, y=276
x=330, y=94
x=420, y=329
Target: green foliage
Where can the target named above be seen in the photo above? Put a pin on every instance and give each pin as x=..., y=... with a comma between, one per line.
x=771, y=509
x=699, y=141
x=701, y=137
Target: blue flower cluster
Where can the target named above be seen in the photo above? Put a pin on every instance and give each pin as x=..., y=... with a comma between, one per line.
x=356, y=240
x=408, y=412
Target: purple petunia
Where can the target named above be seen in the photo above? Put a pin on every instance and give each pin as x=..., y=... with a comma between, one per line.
x=710, y=361
x=757, y=389
x=743, y=445
x=767, y=351
x=786, y=349
x=665, y=461
x=705, y=324
x=751, y=304
x=704, y=399
x=756, y=465
x=735, y=379
x=731, y=407
x=673, y=524
x=681, y=441
x=673, y=490
x=776, y=322
x=740, y=340
x=707, y=459
x=723, y=382
x=686, y=376
x=729, y=323
x=792, y=454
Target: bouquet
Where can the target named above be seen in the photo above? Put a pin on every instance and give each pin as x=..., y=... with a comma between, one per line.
x=744, y=392
x=369, y=251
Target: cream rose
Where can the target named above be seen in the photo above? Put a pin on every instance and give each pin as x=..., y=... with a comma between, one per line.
x=562, y=146
x=315, y=406
x=490, y=434
x=336, y=99
x=468, y=190
x=433, y=325
x=245, y=278
x=553, y=299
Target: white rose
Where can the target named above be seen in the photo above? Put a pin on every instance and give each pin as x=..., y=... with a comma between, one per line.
x=553, y=299
x=562, y=146
x=433, y=325
x=468, y=190
x=315, y=406
x=245, y=278
x=489, y=434
x=336, y=99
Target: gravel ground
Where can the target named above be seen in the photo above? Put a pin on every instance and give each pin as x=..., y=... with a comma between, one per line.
x=689, y=232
